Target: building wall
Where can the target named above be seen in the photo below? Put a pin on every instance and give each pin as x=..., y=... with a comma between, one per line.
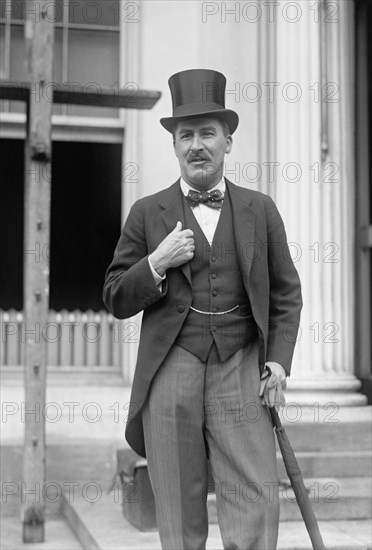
x=173, y=38
x=290, y=76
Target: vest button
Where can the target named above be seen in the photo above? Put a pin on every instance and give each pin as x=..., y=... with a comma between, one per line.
x=214, y=310
x=214, y=292
x=181, y=309
x=213, y=276
x=214, y=329
x=213, y=258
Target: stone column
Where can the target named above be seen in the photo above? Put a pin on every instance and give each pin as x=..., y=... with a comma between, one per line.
x=314, y=190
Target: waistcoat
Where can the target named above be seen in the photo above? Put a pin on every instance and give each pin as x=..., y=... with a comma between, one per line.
x=217, y=286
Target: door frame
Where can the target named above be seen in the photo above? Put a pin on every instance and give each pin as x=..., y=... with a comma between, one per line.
x=363, y=275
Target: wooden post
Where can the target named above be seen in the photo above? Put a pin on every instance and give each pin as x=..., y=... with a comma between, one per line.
x=39, y=35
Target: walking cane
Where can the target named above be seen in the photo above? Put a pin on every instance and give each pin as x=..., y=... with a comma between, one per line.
x=297, y=482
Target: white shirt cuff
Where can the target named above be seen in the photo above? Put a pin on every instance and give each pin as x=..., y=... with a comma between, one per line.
x=157, y=278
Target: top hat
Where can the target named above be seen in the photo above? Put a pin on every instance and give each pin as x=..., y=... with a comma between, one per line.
x=198, y=93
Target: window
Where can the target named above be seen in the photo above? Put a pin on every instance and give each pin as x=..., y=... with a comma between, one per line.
x=86, y=49
x=85, y=223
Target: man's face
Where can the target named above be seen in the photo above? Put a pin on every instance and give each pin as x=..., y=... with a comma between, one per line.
x=200, y=146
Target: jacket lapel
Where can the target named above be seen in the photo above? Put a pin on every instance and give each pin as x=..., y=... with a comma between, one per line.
x=243, y=219
x=244, y=227
x=172, y=212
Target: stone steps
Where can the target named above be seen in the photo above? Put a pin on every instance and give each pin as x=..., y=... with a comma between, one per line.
x=102, y=526
x=328, y=428
x=329, y=463
x=332, y=445
x=102, y=463
x=331, y=498
x=343, y=463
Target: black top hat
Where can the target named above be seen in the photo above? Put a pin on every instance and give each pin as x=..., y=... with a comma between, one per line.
x=199, y=93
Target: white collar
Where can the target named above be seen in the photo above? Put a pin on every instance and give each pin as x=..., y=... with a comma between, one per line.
x=185, y=187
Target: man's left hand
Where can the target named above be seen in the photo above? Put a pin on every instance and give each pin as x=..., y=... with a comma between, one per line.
x=273, y=382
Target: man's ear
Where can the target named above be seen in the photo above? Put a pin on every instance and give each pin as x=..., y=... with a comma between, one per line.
x=229, y=143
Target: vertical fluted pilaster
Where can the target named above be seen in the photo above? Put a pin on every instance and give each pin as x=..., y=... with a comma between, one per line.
x=314, y=187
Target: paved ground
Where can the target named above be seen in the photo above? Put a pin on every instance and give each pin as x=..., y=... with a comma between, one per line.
x=116, y=533
x=337, y=535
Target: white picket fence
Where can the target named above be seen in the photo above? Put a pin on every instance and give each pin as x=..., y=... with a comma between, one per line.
x=73, y=339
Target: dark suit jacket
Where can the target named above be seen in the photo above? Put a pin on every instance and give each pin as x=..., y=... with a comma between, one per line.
x=270, y=279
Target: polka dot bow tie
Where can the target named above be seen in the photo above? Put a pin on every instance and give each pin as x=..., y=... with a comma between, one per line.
x=213, y=199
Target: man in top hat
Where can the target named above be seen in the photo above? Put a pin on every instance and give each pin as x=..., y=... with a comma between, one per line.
x=208, y=263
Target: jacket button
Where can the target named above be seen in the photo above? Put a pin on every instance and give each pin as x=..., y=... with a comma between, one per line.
x=213, y=258
x=181, y=309
x=214, y=310
x=214, y=292
x=214, y=329
x=213, y=276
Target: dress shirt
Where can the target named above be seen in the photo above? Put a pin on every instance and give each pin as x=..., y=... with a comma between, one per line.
x=207, y=218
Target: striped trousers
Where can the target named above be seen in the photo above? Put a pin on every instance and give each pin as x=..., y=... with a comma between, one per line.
x=197, y=411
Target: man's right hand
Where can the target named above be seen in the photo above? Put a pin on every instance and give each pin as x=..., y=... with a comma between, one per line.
x=176, y=249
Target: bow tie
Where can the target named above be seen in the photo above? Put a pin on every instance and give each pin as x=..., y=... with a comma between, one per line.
x=213, y=199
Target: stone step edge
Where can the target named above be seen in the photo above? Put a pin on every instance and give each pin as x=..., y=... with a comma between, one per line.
x=351, y=490
x=342, y=462
x=77, y=525
x=349, y=487
x=330, y=456
x=365, y=454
